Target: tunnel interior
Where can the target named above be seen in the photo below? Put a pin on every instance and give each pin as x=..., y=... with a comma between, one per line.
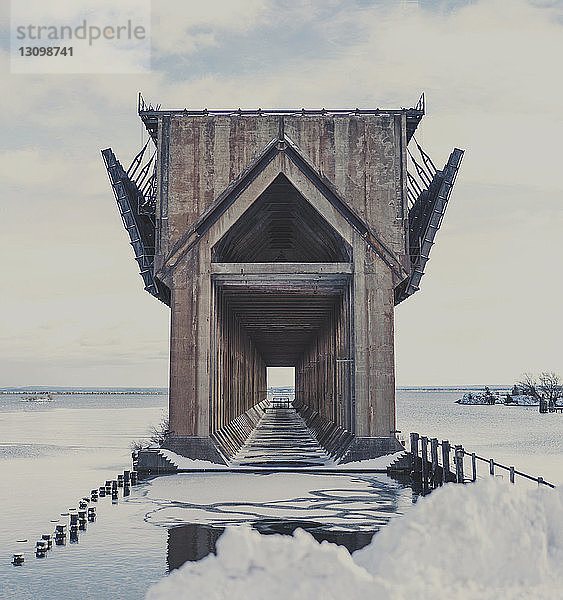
x=305, y=326
x=267, y=314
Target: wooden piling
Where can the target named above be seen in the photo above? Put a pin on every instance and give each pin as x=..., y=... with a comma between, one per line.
x=511, y=474
x=491, y=466
x=414, y=444
x=434, y=459
x=445, y=460
x=414, y=454
x=424, y=461
x=473, y=467
x=459, y=464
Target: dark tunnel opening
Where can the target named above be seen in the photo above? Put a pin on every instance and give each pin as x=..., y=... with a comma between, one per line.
x=306, y=325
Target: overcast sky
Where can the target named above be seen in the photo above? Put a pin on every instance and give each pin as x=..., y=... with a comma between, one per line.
x=72, y=307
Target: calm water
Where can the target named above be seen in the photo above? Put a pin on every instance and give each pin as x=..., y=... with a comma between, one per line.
x=54, y=453
x=512, y=435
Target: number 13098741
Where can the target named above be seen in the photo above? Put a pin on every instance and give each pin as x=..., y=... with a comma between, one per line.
x=45, y=50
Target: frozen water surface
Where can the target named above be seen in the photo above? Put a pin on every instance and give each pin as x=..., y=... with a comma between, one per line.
x=53, y=453
x=323, y=503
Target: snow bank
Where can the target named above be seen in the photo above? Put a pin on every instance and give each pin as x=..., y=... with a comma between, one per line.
x=484, y=541
x=479, y=398
x=491, y=540
x=523, y=400
x=251, y=566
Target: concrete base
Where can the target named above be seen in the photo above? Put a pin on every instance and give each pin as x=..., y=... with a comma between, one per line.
x=230, y=438
x=225, y=442
x=149, y=462
x=403, y=465
x=342, y=445
x=334, y=439
x=196, y=448
x=364, y=448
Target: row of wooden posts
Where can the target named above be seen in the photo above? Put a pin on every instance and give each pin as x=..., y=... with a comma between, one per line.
x=79, y=517
x=437, y=470
x=546, y=406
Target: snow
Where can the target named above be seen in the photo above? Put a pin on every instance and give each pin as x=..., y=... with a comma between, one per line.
x=343, y=501
x=479, y=398
x=201, y=465
x=187, y=463
x=489, y=540
x=523, y=400
x=482, y=398
x=483, y=541
x=373, y=463
x=212, y=488
x=243, y=487
x=251, y=566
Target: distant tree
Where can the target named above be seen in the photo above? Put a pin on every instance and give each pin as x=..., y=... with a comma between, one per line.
x=489, y=396
x=546, y=388
x=550, y=387
x=515, y=391
x=528, y=385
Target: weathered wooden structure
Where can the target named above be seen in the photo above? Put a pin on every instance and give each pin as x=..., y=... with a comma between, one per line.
x=446, y=464
x=282, y=238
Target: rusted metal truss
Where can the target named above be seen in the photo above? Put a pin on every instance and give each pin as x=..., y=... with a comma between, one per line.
x=428, y=195
x=144, y=179
x=134, y=191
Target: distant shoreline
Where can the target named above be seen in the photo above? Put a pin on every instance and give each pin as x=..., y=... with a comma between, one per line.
x=453, y=388
x=163, y=391
x=84, y=391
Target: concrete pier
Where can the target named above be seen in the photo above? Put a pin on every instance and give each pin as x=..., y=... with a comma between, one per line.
x=281, y=238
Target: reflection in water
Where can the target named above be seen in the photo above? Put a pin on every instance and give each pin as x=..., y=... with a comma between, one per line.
x=351, y=540
x=342, y=509
x=193, y=542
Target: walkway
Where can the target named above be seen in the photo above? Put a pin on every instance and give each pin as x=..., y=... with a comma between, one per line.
x=281, y=439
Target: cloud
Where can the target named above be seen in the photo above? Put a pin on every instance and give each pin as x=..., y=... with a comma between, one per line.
x=32, y=167
x=181, y=27
x=487, y=69
x=490, y=70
